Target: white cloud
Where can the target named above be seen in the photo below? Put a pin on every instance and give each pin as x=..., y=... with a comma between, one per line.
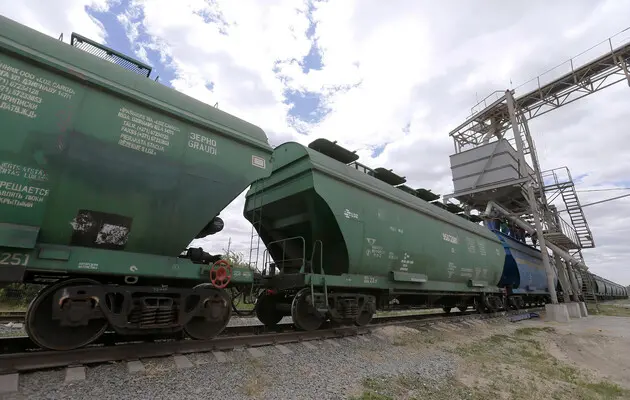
x=60, y=16
x=418, y=64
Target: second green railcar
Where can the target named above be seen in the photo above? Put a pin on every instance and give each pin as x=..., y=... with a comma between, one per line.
x=345, y=240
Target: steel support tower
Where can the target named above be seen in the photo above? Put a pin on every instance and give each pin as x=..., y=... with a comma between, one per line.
x=495, y=167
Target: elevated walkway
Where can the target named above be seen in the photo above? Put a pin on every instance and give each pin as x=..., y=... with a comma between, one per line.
x=595, y=69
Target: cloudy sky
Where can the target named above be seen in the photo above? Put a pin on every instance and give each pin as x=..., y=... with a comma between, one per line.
x=389, y=81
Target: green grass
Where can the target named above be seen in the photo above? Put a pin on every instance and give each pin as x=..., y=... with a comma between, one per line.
x=610, y=310
x=412, y=388
x=529, y=331
x=12, y=307
x=515, y=366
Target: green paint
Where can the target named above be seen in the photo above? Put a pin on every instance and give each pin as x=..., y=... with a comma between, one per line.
x=371, y=228
x=81, y=133
x=81, y=260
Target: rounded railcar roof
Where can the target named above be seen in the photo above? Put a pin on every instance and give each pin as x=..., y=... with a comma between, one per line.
x=54, y=54
x=352, y=176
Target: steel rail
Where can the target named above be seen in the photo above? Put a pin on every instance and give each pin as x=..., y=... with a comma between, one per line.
x=12, y=316
x=15, y=344
x=45, y=359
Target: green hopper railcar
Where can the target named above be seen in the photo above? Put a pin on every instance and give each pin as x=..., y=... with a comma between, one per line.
x=106, y=176
x=343, y=241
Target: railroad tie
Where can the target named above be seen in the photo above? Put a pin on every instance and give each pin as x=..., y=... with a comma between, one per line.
x=135, y=366
x=283, y=349
x=182, y=361
x=309, y=346
x=9, y=383
x=75, y=374
x=220, y=356
x=255, y=352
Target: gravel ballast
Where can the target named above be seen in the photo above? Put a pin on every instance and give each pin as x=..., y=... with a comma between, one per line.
x=333, y=369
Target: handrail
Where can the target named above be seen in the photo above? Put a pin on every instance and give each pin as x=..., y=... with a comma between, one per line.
x=266, y=253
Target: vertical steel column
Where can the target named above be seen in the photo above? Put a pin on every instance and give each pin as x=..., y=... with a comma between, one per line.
x=530, y=194
x=567, y=289
x=576, y=286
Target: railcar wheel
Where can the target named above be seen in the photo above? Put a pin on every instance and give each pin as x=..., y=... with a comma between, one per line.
x=364, y=318
x=50, y=334
x=215, y=313
x=266, y=310
x=304, y=315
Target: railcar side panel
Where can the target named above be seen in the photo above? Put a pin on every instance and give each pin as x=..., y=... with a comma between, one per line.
x=96, y=156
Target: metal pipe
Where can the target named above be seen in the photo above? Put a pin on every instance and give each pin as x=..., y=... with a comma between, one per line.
x=491, y=204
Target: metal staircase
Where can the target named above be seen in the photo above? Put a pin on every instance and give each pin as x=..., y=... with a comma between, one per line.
x=558, y=182
x=588, y=288
x=576, y=214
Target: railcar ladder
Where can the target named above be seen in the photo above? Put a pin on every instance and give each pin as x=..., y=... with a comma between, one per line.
x=318, y=244
x=257, y=209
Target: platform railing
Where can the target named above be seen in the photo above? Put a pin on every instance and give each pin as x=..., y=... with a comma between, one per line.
x=267, y=261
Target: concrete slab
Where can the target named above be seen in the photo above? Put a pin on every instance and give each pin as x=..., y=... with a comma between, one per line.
x=557, y=312
x=583, y=309
x=9, y=383
x=332, y=342
x=574, y=310
x=74, y=374
x=135, y=366
x=283, y=349
x=309, y=346
x=255, y=352
x=182, y=361
x=219, y=356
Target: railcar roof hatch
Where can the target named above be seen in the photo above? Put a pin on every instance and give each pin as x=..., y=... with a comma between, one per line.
x=387, y=176
x=333, y=150
x=407, y=189
x=454, y=208
x=426, y=194
x=439, y=204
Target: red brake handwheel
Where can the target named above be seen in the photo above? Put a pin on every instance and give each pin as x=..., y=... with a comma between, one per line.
x=220, y=274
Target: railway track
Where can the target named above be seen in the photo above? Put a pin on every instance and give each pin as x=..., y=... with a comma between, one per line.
x=19, y=354
x=12, y=316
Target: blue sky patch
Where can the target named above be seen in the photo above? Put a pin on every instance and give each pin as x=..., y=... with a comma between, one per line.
x=117, y=39
x=376, y=151
x=313, y=60
x=305, y=106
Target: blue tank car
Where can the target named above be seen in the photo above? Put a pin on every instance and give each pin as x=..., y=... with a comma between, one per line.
x=524, y=275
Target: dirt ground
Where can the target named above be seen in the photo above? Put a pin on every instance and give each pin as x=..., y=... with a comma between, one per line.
x=584, y=359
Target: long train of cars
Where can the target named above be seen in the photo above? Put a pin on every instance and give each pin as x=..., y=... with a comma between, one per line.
x=107, y=175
